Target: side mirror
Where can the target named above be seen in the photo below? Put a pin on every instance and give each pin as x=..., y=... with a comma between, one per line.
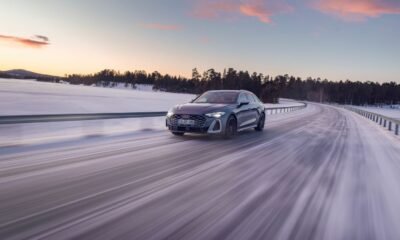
x=243, y=103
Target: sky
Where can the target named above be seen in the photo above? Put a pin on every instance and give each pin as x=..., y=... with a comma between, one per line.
x=357, y=40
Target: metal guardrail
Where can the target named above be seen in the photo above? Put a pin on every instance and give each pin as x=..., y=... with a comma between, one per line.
x=75, y=117
x=277, y=110
x=390, y=123
x=99, y=116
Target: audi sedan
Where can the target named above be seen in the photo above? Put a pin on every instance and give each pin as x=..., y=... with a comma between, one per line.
x=222, y=112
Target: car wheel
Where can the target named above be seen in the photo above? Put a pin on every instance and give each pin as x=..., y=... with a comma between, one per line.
x=231, y=128
x=261, y=123
x=178, y=133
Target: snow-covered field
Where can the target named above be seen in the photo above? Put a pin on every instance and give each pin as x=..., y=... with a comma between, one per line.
x=388, y=112
x=284, y=103
x=31, y=97
x=19, y=97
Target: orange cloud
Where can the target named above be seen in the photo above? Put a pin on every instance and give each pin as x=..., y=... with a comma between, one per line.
x=38, y=42
x=164, y=27
x=255, y=11
x=358, y=10
x=260, y=9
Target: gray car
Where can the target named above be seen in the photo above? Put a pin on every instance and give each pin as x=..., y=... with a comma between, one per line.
x=223, y=112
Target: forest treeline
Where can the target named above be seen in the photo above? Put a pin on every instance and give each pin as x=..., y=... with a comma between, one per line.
x=268, y=88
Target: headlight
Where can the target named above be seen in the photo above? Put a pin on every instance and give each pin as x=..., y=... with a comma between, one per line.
x=170, y=113
x=215, y=114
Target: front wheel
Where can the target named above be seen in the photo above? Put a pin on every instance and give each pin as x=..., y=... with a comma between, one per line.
x=231, y=128
x=261, y=123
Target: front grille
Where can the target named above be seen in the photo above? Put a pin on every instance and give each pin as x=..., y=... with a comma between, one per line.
x=199, y=120
x=188, y=129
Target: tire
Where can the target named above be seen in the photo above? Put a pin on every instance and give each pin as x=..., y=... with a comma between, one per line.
x=178, y=133
x=230, y=128
x=261, y=123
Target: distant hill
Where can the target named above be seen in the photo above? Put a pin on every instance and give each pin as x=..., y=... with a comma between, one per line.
x=24, y=74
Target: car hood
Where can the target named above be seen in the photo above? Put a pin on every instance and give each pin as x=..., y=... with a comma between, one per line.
x=199, y=108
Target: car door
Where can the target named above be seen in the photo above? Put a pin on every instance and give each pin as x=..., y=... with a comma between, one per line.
x=244, y=111
x=253, y=109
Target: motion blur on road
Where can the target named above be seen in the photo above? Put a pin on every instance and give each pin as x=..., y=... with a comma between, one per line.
x=318, y=173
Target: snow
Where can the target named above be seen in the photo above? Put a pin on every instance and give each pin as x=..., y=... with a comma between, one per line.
x=284, y=103
x=388, y=112
x=56, y=132
x=32, y=97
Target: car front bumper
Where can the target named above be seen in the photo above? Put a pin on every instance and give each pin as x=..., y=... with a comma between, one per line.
x=208, y=126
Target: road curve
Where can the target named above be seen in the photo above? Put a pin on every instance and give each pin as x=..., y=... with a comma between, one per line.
x=319, y=173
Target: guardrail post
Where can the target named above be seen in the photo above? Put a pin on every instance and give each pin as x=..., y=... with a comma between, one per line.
x=380, y=120
x=397, y=129
x=390, y=125
x=384, y=123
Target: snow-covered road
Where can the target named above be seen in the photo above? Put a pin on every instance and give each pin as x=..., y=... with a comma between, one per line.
x=318, y=173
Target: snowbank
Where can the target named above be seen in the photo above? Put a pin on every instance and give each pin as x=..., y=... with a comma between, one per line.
x=31, y=97
x=388, y=112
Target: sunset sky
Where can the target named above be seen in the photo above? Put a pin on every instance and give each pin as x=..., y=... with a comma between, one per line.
x=333, y=39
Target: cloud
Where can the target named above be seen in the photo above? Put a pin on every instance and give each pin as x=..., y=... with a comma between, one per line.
x=262, y=10
x=36, y=42
x=357, y=10
x=163, y=27
x=256, y=11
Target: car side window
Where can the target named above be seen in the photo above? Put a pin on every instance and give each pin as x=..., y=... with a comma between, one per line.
x=250, y=98
x=256, y=100
x=242, y=98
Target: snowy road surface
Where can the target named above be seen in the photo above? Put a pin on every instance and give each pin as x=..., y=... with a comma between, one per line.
x=319, y=173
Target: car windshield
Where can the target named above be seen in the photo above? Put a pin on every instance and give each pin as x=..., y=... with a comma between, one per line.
x=218, y=97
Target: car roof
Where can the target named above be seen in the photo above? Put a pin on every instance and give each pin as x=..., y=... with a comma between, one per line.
x=237, y=91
